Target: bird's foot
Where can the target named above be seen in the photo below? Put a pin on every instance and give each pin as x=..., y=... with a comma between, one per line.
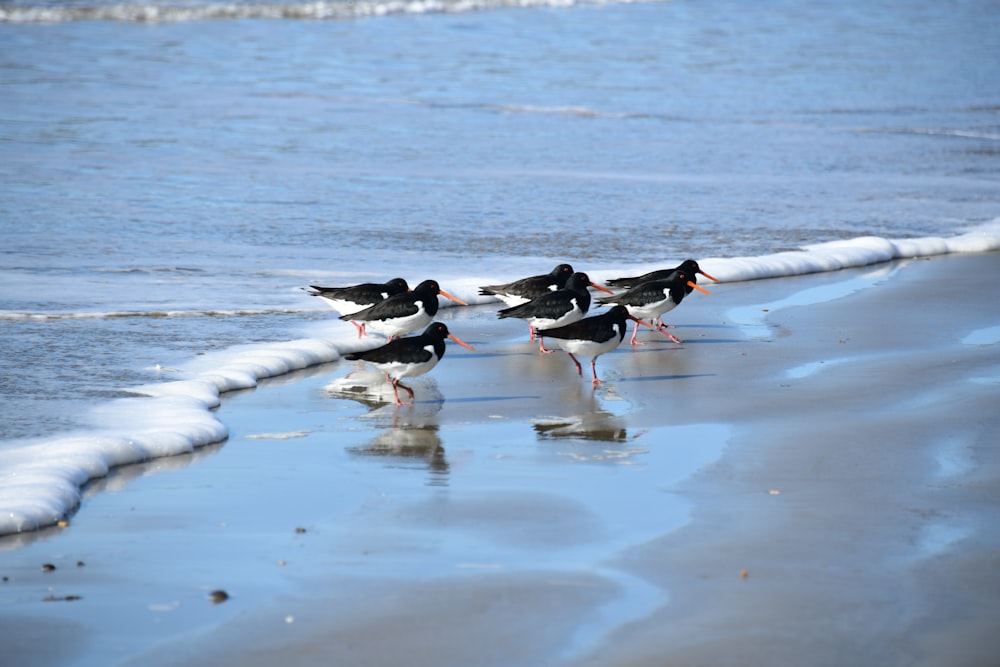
x=396, y=386
x=579, y=368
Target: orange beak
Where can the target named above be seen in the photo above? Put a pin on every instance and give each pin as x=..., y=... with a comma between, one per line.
x=601, y=287
x=708, y=276
x=700, y=289
x=453, y=298
x=461, y=342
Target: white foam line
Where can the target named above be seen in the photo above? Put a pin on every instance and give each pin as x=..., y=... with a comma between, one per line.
x=818, y=258
x=41, y=481
x=319, y=10
x=33, y=315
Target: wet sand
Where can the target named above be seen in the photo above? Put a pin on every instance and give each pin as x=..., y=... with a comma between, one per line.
x=811, y=477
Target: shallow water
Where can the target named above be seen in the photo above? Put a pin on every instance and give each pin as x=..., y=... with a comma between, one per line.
x=327, y=512
x=171, y=185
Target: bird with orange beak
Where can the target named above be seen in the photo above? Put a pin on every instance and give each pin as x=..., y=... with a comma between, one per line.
x=555, y=309
x=688, y=266
x=592, y=336
x=650, y=300
x=409, y=357
x=403, y=313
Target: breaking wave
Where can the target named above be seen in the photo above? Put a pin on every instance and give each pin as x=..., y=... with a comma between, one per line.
x=320, y=10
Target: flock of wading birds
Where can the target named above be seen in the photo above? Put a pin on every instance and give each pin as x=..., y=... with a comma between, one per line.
x=553, y=304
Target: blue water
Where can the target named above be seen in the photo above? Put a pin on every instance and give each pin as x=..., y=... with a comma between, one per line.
x=171, y=180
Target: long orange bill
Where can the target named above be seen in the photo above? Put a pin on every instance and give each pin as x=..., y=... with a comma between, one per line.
x=700, y=289
x=453, y=298
x=601, y=287
x=461, y=342
x=708, y=276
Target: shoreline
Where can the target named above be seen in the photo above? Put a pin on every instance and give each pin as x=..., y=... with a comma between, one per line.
x=182, y=420
x=840, y=459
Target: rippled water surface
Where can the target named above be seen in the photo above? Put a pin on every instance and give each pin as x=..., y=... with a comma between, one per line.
x=209, y=166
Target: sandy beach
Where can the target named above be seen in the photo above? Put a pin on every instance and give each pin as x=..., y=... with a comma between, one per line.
x=812, y=476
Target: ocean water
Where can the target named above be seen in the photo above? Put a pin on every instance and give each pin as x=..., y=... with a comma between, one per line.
x=173, y=174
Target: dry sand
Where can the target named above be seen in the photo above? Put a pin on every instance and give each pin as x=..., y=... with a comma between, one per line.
x=811, y=478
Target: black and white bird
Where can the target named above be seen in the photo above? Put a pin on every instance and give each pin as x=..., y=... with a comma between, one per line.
x=353, y=298
x=555, y=309
x=592, y=336
x=650, y=300
x=525, y=289
x=404, y=313
x=688, y=266
x=409, y=357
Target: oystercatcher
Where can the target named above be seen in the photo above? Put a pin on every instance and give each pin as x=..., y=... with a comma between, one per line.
x=592, y=336
x=652, y=299
x=532, y=287
x=688, y=266
x=404, y=313
x=349, y=300
x=409, y=357
x=555, y=309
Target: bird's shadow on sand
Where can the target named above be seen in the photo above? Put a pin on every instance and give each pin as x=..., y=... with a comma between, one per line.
x=660, y=378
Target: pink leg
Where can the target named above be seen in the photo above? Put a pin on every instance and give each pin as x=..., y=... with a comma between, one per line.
x=360, y=328
x=670, y=336
x=593, y=367
x=635, y=332
x=661, y=324
x=662, y=328
x=395, y=391
x=579, y=369
x=542, y=348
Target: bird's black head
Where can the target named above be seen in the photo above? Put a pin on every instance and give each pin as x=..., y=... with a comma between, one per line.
x=578, y=280
x=618, y=312
x=399, y=285
x=428, y=286
x=437, y=330
x=690, y=266
x=563, y=271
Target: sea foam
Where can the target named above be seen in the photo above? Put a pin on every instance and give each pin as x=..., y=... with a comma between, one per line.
x=863, y=251
x=41, y=480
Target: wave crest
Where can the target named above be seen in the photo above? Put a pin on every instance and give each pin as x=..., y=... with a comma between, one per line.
x=320, y=10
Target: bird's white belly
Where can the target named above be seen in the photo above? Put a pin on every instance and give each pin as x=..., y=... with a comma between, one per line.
x=344, y=307
x=511, y=299
x=400, y=370
x=573, y=315
x=652, y=310
x=400, y=326
x=588, y=348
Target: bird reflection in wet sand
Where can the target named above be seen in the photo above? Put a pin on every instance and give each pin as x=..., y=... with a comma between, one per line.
x=400, y=447
x=370, y=390
x=592, y=433
x=409, y=357
x=601, y=426
x=589, y=428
